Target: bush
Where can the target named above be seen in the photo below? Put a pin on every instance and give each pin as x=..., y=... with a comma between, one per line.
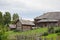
x=58, y=34
x=3, y=29
x=57, y=31
x=45, y=34
x=51, y=30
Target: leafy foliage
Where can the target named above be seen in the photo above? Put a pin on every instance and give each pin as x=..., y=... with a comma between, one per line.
x=4, y=21
x=57, y=31
x=51, y=30
x=1, y=18
x=15, y=16
x=7, y=17
x=45, y=34
x=3, y=29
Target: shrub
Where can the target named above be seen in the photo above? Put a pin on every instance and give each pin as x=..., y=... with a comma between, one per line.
x=57, y=31
x=51, y=30
x=45, y=34
x=3, y=29
x=58, y=34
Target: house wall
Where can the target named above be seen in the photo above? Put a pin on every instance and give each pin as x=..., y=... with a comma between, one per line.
x=19, y=26
x=23, y=27
x=47, y=24
x=36, y=22
x=26, y=27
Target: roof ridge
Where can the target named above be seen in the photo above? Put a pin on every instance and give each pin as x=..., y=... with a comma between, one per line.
x=54, y=15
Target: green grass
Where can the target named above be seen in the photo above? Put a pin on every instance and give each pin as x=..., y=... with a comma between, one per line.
x=34, y=32
x=55, y=28
x=50, y=36
x=11, y=34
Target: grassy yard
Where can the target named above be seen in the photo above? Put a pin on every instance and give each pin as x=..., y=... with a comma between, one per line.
x=50, y=37
x=55, y=28
x=34, y=32
x=12, y=35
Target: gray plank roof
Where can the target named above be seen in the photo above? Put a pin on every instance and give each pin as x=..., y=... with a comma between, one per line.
x=12, y=26
x=24, y=22
x=48, y=20
x=49, y=15
x=27, y=22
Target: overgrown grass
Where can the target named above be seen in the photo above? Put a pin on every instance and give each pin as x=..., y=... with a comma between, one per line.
x=34, y=32
x=38, y=31
x=12, y=35
x=50, y=37
x=55, y=28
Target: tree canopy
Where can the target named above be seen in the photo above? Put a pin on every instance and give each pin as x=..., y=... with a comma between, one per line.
x=15, y=16
x=7, y=17
x=1, y=18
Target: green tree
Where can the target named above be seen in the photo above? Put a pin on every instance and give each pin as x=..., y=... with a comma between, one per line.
x=15, y=16
x=1, y=18
x=3, y=29
x=7, y=18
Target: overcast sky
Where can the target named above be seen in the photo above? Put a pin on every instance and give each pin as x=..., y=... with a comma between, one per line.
x=29, y=9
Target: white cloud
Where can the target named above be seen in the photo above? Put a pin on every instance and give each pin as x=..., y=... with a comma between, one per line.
x=28, y=19
x=27, y=6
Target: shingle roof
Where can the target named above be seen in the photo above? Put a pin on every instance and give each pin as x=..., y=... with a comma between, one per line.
x=50, y=15
x=27, y=22
x=24, y=22
x=12, y=26
x=48, y=20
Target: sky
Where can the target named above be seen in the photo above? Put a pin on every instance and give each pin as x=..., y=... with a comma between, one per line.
x=29, y=9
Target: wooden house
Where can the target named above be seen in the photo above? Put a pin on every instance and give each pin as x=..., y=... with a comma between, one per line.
x=12, y=27
x=48, y=19
x=24, y=25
